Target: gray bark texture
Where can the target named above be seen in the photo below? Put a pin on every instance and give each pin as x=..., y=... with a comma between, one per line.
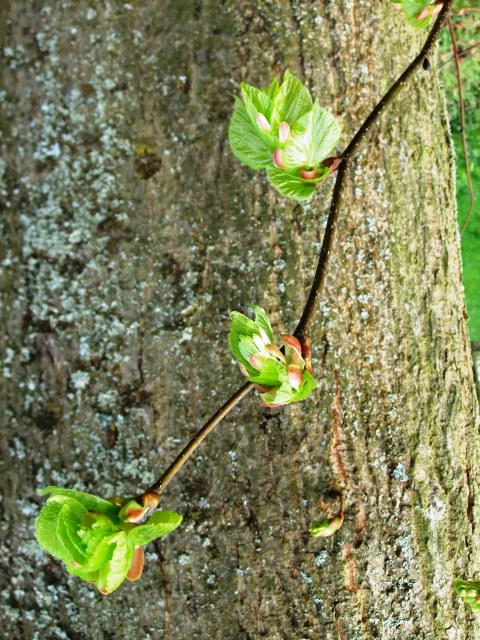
x=130, y=232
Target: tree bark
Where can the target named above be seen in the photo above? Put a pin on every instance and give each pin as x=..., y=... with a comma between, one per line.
x=130, y=233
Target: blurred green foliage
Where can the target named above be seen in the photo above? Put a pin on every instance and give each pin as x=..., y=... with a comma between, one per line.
x=466, y=20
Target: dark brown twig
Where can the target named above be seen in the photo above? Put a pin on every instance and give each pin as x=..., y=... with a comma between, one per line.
x=156, y=489
x=304, y=327
x=151, y=497
x=462, y=124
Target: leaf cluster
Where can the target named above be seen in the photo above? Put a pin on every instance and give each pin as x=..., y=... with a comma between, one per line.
x=283, y=122
x=87, y=534
x=282, y=378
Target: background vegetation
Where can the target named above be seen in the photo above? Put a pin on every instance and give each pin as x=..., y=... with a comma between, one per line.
x=467, y=27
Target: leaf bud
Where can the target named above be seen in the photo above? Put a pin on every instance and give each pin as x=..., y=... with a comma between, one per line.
x=284, y=131
x=262, y=122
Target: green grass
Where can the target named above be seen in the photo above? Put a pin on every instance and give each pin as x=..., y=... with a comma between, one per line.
x=468, y=34
x=470, y=239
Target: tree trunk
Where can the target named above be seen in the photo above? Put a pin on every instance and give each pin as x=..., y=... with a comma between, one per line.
x=131, y=232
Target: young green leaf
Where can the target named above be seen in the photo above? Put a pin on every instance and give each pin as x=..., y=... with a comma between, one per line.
x=291, y=101
x=89, y=501
x=113, y=573
x=46, y=528
x=290, y=186
x=469, y=591
x=281, y=376
x=245, y=140
x=158, y=525
x=95, y=546
x=308, y=385
x=311, y=140
x=419, y=13
x=262, y=320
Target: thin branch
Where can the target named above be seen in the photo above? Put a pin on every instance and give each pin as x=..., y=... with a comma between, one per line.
x=462, y=124
x=303, y=330
x=151, y=497
x=461, y=54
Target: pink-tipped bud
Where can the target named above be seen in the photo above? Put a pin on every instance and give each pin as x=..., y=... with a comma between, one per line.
x=295, y=376
x=132, y=512
x=333, y=162
x=396, y=5
x=259, y=342
x=243, y=370
x=258, y=360
x=291, y=341
x=278, y=159
x=284, y=131
x=430, y=11
x=307, y=175
x=293, y=351
x=262, y=122
x=275, y=351
x=425, y=13
x=262, y=389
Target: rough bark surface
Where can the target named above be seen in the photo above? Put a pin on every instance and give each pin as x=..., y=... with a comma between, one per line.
x=130, y=232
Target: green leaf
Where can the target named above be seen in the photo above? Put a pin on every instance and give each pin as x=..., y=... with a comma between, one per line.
x=98, y=527
x=88, y=500
x=272, y=89
x=273, y=373
x=68, y=525
x=469, y=591
x=308, y=385
x=279, y=396
x=241, y=327
x=101, y=554
x=157, y=526
x=256, y=101
x=311, y=140
x=245, y=140
x=290, y=186
x=412, y=9
x=113, y=573
x=46, y=528
x=291, y=101
x=81, y=572
x=247, y=348
x=261, y=319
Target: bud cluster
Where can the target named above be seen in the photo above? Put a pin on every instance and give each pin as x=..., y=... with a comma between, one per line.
x=282, y=130
x=100, y=541
x=282, y=376
x=418, y=13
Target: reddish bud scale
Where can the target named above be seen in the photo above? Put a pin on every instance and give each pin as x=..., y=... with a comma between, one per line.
x=307, y=175
x=278, y=159
x=136, y=568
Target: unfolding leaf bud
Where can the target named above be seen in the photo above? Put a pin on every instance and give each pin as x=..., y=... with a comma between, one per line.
x=326, y=528
x=278, y=159
x=132, y=512
x=284, y=131
x=262, y=122
x=430, y=11
x=295, y=376
x=307, y=175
